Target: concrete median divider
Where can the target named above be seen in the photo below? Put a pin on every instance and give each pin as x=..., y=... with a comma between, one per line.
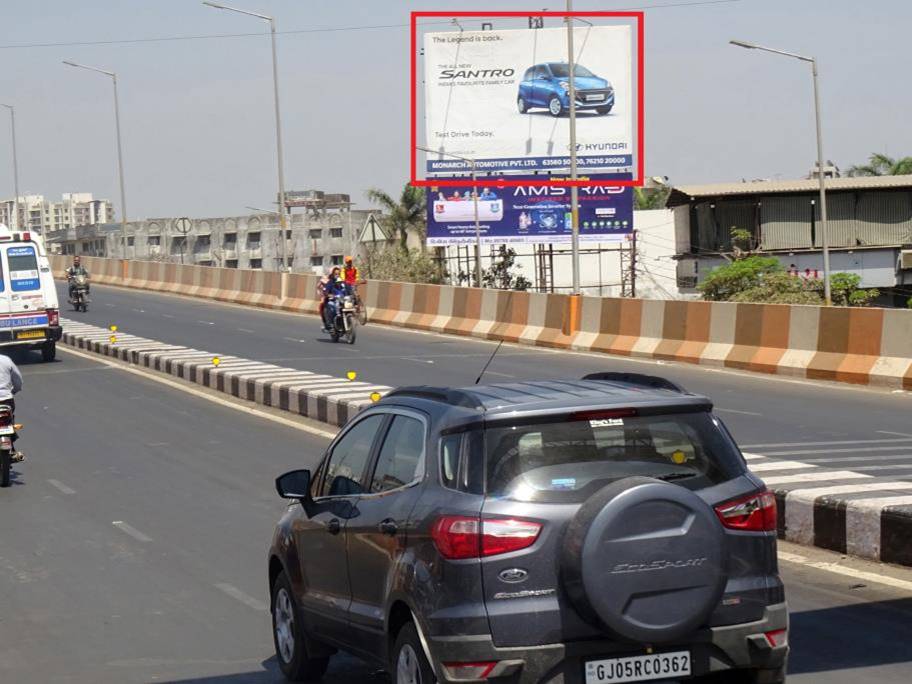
x=866, y=346
x=321, y=397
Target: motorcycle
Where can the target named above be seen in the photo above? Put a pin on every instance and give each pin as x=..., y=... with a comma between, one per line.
x=79, y=294
x=344, y=322
x=7, y=450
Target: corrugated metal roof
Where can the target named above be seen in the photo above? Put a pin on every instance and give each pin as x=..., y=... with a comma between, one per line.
x=682, y=193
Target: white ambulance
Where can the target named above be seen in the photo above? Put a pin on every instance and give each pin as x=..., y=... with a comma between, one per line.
x=29, y=313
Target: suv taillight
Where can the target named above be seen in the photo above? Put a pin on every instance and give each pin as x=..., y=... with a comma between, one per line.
x=457, y=536
x=53, y=317
x=753, y=513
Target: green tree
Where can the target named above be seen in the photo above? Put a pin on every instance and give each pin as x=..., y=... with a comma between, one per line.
x=724, y=282
x=391, y=262
x=845, y=290
x=500, y=275
x=651, y=198
x=882, y=165
x=407, y=214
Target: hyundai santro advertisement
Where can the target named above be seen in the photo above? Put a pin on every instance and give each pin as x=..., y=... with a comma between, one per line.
x=502, y=98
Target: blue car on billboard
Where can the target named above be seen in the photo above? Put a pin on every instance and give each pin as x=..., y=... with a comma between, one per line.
x=547, y=85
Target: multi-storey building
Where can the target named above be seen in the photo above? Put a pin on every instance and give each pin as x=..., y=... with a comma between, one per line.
x=318, y=238
x=43, y=216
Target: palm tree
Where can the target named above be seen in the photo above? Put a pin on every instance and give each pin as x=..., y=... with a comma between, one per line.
x=882, y=165
x=408, y=213
x=650, y=198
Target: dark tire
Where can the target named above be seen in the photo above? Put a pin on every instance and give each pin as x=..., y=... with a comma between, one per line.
x=604, y=110
x=49, y=351
x=522, y=106
x=6, y=466
x=352, y=330
x=409, y=664
x=362, y=314
x=289, y=639
x=555, y=107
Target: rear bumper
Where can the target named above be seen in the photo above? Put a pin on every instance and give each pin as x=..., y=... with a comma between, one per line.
x=50, y=334
x=715, y=649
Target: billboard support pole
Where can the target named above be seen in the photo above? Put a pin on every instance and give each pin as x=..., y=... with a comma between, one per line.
x=477, y=229
x=574, y=191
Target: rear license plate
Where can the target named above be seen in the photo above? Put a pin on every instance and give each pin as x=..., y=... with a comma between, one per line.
x=640, y=668
x=29, y=334
x=8, y=430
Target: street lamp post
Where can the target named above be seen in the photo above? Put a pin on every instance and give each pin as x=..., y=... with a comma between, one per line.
x=824, y=237
x=120, y=171
x=278, y=118
x=15, y=163
x=574, y=191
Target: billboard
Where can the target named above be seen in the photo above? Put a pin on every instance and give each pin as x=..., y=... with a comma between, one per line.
x=502, y=99
x=530, y=214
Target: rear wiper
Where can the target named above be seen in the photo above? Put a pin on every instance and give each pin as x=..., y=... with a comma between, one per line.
x=668, y=477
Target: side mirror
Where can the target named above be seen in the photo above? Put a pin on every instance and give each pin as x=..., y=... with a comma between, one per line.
x=294, y=485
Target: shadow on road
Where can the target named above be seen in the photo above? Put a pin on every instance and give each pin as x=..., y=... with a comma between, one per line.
x=342, y=670
x=852, y=636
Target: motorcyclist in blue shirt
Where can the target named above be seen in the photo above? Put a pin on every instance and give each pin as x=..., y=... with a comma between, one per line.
x=334, y=290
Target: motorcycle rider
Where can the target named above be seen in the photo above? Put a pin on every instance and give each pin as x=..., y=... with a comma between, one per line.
x=335, y=288
x=77, y=269
x=10, y=384
x=321, y=295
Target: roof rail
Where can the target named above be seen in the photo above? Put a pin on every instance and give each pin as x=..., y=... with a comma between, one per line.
x=444, y=394
x=640, y=379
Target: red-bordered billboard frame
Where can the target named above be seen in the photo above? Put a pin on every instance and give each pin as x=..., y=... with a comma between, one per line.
x=492, y=181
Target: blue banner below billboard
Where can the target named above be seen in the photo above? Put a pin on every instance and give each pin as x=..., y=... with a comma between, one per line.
x=530, y=215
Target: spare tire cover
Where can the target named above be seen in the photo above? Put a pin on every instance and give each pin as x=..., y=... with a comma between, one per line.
x=647, y=559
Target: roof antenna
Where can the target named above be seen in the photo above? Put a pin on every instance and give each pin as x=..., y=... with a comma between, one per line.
x=499, y=345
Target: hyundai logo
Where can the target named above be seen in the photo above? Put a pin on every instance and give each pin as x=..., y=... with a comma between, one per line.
x=513, y=575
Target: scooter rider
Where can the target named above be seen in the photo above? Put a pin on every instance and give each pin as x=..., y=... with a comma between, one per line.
x=77, y=269
x=10, y=384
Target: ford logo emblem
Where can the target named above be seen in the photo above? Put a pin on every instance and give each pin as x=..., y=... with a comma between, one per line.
x=513, y=575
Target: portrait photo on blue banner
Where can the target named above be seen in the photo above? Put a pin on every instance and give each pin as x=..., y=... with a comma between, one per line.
x=530, y=214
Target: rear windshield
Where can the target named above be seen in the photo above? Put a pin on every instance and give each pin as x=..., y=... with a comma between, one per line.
x=568, y=460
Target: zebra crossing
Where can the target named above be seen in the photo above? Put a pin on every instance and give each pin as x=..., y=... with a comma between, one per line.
x=860, y=504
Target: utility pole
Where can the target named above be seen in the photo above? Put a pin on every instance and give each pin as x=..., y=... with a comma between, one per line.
x=633, y=263
x=574, y=191
x=15, y=166
x=477, y=230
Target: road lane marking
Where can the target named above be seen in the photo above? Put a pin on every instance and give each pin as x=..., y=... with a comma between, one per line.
x=862, y=450
x=412, y=358
x=780, y=465
x=743, y=413
x=206, y=322
x=835, y=443
x=848, y=459
x=816, y=477
x=57, y=484
x=132, y=531
x=246, y=330
x=154, y=376
x=239, y=595
x=167, y=316
x=502, y=375
x=845, y=571
x=887, y=432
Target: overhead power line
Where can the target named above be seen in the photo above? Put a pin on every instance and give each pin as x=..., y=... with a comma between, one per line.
x=328, y=29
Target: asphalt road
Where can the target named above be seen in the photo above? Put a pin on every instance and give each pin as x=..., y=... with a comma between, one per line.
x=134, y=538
x=826, y=424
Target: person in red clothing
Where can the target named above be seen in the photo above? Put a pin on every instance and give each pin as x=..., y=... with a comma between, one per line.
x=350, y=272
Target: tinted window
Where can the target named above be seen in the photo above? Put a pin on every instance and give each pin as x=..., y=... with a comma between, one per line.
x=349, y=458
x=563, y=70
x=450, y=449
x=541, y=71
x=529, y=72
x=400, y=457
x=568, y=460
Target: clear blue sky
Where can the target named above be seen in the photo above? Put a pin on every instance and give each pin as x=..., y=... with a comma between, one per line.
x=197, y=115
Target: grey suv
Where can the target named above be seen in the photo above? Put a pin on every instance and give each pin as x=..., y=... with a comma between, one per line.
x=600, y=530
